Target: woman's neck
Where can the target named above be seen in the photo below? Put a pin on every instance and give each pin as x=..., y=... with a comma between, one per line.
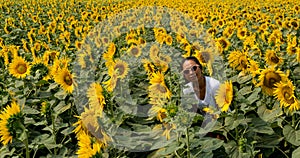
x=200, y=88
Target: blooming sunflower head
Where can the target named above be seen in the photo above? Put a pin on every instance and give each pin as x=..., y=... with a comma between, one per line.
x=284, y=92
x=19, y=67
x=224, y=95
x=65, y=79
x=10, y=119
x=268, y=79
x=96, y=98
x=238, y=60
x=272, y=58
x=134, y=51
x=119, y=68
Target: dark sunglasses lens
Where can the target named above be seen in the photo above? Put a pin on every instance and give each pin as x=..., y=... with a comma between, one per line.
x=186, y=71
x=195, y=68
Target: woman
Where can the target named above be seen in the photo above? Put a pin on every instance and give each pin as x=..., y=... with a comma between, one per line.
x=204, y=87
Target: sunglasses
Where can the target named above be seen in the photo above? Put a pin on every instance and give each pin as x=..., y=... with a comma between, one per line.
x=193, y=68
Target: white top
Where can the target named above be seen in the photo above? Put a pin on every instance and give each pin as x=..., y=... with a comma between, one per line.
x=212, y=85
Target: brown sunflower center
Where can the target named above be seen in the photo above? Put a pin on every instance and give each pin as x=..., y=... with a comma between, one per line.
x=134, y=51
x=161, y=88
x=68, y=80
x=274, y=59
x=242, y=33
x=205, y=56
x=244, y=63
x=271, y=78
x=223, y=43
x=120, y=68
x=21, y=68
x=201, y=19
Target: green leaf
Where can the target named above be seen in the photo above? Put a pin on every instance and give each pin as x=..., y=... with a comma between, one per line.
x=68, y=130
x=244, y=79
x=19, y=83
x=269, y=115
x=296, y=153
x=261, y=126
x=245, y=90
x=291, y=135
x=29, y=110
x=60, y=94
x=254, y=96
x=61, y=107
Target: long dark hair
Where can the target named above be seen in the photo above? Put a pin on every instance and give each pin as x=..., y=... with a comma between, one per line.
x=193, y=59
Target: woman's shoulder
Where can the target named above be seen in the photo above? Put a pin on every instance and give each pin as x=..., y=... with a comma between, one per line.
x=212, y=81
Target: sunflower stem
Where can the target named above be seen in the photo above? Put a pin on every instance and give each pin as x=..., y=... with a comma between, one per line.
x=25, y=141
x=293, y=120
x=54, y=132
x=188, y=143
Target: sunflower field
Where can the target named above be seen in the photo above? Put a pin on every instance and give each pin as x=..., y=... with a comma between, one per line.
x=103, y=78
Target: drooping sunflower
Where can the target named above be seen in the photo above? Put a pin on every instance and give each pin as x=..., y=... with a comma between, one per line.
x=111, y=83
x=8, y=117
x=268, y=79
x=154, y=50
x=159, y=111
x=19, y=67
x=65, y=79
x=96, y=98
x=148, y=66
x=238, y=60
x=224, y=95
x=284, y=92
x=272, y=58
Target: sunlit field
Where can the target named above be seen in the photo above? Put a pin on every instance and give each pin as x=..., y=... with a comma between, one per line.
x=103, y=78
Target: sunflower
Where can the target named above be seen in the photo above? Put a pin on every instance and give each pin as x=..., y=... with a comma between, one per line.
x=111, y=83
x=242, y=33
x=284, y=92
x=159, y=111
x=19, y=68
x=295, y=106
x=272, y=59
x=167, y=129
x=135, y=51
x=228, y=31
x=96, y=98
x=148, y=66
x=298, y=54
x=168, y=40
x=87, y=146
x=268, y=79
x=238, y=60
x=154, y=50
x=8, y=118
x=119, y=68
x=159, y=89
x=224, y=43
x=291, y=49
x=224, y=95
x=65, y=79
x=253, y=67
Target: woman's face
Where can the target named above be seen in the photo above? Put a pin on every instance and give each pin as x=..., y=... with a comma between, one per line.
x=191, y=71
